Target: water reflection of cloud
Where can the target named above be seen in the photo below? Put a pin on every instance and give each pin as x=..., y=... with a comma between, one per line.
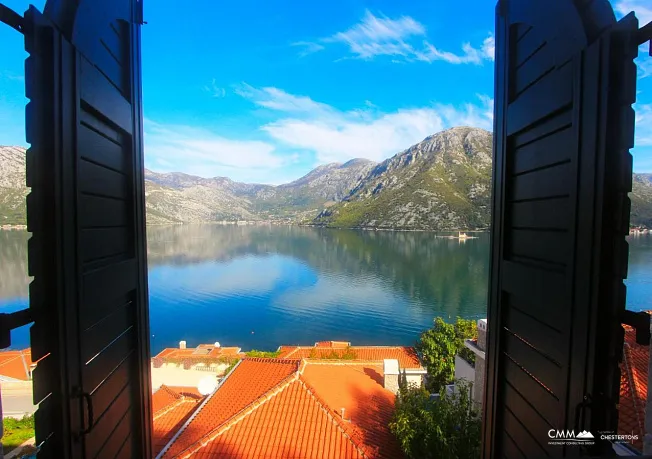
x=249, y=275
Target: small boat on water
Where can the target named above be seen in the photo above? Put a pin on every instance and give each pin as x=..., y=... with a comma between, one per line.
x=460, y=235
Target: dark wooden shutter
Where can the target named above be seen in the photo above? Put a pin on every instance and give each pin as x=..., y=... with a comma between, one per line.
x=86, y=212
x=565, y=82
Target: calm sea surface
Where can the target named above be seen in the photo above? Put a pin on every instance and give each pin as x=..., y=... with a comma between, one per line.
x=260, y=287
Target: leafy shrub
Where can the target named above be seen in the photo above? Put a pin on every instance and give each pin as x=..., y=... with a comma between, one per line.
x=439, y=346
x=444, y=428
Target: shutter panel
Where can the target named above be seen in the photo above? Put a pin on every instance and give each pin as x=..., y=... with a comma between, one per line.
x=565, y=82
x=87, y=217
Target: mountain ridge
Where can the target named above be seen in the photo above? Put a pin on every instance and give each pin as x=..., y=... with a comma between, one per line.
x=440, y=183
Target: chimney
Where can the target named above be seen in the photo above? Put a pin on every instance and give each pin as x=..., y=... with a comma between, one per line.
x=182, y=344
x=391, y=374
x=482, y=334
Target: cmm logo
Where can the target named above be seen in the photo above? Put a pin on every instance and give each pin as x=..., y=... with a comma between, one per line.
x=570, y=435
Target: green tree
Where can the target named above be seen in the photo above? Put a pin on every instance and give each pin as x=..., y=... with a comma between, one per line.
x=439, y=346
x=448, y=427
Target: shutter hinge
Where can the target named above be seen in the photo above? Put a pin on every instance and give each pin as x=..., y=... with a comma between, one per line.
x=11, y=18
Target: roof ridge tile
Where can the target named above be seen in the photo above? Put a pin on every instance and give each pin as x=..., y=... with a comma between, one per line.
x=349, y=430
x=196, y=412
x=240, y=415
x=166, y=409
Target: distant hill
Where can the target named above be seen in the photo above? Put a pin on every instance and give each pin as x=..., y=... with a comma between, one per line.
x=181, y=197
x=441, y=183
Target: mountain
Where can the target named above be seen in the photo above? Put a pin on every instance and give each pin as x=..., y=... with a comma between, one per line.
x=641, y=197
x=12, y=186
x=181, y=197
x=441, y=183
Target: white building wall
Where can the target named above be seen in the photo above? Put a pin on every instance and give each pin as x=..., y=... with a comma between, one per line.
x=463, y=370
x=415, y=380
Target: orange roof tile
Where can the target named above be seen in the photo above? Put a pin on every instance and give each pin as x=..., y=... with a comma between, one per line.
x=188, y=392
x=281, y=408
x=163, y=398
x=292, y=424
x=201, y=352
x=633, y=387
x=367, y=404
x=333, y=344
x=406, y=355
x=16, y=364
x=171, y=410
x=251, y=380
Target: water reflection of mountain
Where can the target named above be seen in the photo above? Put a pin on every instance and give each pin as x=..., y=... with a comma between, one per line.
x=14, y=282
x=430, y=270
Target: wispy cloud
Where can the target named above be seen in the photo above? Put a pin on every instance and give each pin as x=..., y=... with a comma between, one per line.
x=337, y=136
x=10, y=76
x=277, y=99
x=404, y=39
x=200, y=151
x=214, y=90
x=308, y=47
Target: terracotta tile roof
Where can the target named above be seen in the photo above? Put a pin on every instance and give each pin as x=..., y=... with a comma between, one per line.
x=333, y=344
x=367, y=404
x=284, y=408
x=201, y=352
x=633, y=387
x=163, y=398
x=188, y=392
x=171, y=409
x=406, y=355
x=16, y=364
x=292, y=424
x=250, y=381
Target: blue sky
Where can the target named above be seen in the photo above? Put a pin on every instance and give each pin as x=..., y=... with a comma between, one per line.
x=263, y=91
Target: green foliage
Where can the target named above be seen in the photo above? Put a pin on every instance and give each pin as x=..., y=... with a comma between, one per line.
x=16, y=432
x=447, y=428
x=262, y=354
x=341, y=354
x=439, y=346
x=199, y=359
x=230, y=367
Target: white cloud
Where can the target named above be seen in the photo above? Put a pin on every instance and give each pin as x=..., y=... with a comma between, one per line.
x=382, y=36
x=201, y=152
x=308, y=47
x=336, y=136
x=277, y=99
x=489, y=47
x=214, y=90
x=375, y=36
